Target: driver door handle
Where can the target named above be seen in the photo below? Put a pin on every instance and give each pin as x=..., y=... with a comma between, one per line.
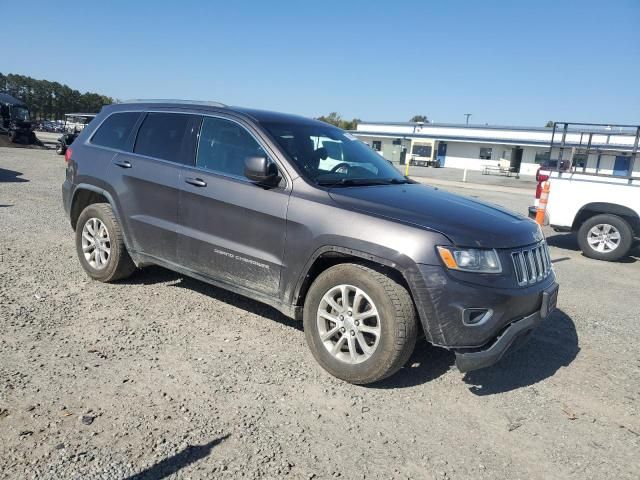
x=123, y=163
x=198, y=182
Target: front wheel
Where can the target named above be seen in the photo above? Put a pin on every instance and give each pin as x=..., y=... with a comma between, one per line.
x=605, y=237
x=359, y=323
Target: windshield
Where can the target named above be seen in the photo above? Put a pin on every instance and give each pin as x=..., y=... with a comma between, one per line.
x=332, y=157
x=20, y=113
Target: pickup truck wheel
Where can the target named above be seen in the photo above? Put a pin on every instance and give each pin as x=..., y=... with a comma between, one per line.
x=100, y=244
x=359, y=323
x=605, y=237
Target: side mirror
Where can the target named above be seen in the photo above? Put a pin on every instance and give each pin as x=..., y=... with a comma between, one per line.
x=261, y=171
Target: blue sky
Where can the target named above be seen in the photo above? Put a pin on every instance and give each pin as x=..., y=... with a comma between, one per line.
x=506, y=62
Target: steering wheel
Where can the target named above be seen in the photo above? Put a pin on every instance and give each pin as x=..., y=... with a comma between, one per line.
x=340, y=166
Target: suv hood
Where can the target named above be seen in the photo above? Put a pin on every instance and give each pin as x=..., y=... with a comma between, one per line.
x=466, y=222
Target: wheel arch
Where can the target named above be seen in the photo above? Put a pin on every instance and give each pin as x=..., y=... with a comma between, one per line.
x=86, y=194
x=83, y=196
x=328, y=256
x=597, y=208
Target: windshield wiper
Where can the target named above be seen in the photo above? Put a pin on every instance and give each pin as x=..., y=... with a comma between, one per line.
x=399, y=181
x=345, y=182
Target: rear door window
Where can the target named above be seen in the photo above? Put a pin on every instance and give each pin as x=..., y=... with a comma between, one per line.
x=162, y=136
x=115, y=130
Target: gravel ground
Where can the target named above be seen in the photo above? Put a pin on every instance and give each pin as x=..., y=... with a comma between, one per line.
x=164, y=376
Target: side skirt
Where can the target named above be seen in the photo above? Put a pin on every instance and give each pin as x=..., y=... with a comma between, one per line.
x=291, y=311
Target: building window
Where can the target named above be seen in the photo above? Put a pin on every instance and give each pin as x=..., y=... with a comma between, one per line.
x=376, y=145
x=580, y=160
x=485, y=153
x=542, y=157
x=421, y=150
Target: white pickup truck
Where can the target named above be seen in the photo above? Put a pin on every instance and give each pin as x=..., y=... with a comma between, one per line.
x=595, y=192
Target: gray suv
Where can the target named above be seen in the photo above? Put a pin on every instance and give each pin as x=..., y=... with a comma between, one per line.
x=305, y=217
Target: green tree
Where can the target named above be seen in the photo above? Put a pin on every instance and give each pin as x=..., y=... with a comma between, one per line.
x=51, y=100
x=419, y=119
x=334, y=118
x=549, y=124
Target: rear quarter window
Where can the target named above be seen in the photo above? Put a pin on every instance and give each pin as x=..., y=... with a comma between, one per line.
x=115, y=130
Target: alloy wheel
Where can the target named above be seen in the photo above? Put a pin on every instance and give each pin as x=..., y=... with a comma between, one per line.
x=96, y=244
x=603, y=238
x=349, y=324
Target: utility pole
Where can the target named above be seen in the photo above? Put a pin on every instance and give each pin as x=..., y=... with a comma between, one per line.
x=468, y=115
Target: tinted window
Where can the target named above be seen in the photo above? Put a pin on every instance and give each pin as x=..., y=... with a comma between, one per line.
x=224, y=146
x=161, y=136
x=115, y=130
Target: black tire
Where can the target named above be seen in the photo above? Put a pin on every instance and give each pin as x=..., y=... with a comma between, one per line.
x=619, y=224
x=119, y=264
x=398, y=323
x=60, y=149
x=12, y=136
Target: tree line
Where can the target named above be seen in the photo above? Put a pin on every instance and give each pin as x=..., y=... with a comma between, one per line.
x=51, y=100
x=334, y=118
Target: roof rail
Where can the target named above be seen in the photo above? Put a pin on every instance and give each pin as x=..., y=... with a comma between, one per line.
x=173, y=100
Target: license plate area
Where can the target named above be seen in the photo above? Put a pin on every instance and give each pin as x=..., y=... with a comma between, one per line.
x=549, y=300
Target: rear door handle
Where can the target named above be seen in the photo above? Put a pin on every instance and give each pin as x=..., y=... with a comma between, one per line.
x=198, y=182
x=123, y=163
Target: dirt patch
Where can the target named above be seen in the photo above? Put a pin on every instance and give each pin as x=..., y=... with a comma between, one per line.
x=5, y=142
x=163, y=376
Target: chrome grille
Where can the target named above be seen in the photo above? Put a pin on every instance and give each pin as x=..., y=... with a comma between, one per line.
x=532, y=264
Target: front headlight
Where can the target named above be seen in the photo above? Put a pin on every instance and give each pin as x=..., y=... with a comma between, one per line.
x=470, y=259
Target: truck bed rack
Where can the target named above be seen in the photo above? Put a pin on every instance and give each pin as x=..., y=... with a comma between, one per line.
x=575, y=146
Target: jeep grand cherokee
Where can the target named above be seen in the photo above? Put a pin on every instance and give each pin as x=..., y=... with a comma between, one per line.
x=303, y=216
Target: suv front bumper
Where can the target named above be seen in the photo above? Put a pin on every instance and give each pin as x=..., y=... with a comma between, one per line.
x=515, y=332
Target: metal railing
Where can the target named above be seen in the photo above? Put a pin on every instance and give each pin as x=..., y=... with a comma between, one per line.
x=579, y=141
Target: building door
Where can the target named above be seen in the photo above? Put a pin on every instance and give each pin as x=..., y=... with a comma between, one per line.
x=516, y=159
x=442, y=153
x=621, y=166
x=403, y=156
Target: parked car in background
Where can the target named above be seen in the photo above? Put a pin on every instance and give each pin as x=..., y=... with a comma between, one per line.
x=302, y=216
x=74, y=123
x=598, y=201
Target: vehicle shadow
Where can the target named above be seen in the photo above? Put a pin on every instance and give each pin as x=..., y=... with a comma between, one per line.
x=153, y=274
x=11, y=176
x=426, y=363
x=554, y=344
x=568, y=241
x=177, y=462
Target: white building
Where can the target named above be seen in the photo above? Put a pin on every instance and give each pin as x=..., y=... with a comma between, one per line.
x=478, y=146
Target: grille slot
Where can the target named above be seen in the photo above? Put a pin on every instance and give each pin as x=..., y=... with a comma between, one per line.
x=533, y=264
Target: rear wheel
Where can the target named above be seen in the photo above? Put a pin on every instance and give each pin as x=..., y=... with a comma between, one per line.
x=605, y=237
x=100, y=244
x=60, y=148
x=359, y=323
